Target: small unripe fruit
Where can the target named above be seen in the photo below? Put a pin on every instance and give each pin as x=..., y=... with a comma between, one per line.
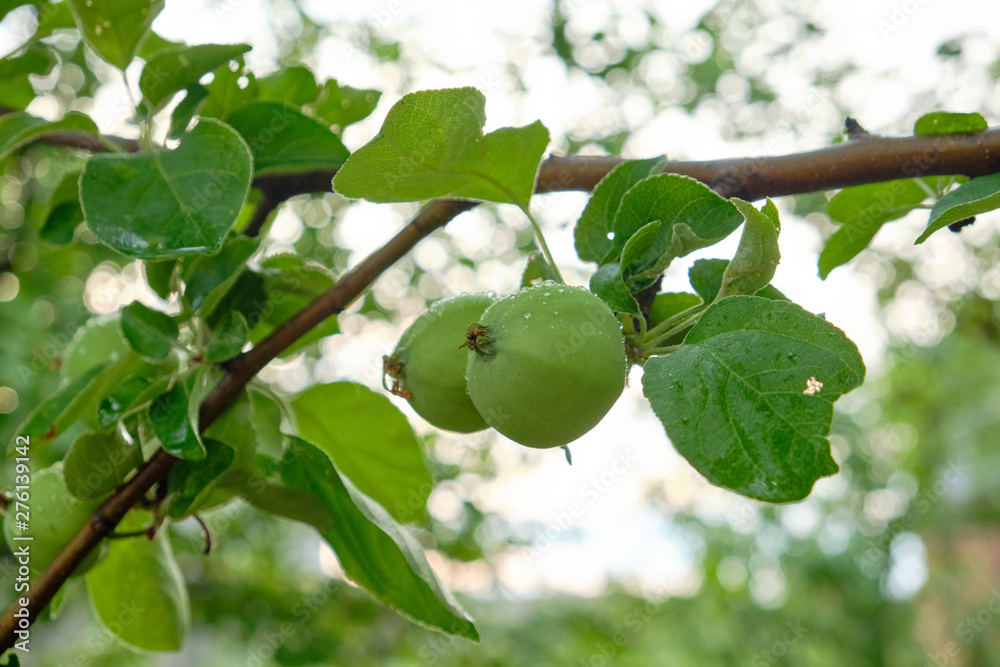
x=546, y=364
x=54, y=518
x=428, y=365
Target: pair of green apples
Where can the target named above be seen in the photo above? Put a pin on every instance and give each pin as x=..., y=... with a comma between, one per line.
x=542, y=366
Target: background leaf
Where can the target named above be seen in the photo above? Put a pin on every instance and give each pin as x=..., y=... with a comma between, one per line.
x=607, y=283
x=284, y=140
x=150, y=333
x=173, y=70
x=190, y=479
x=64, y=213
x=169, y=203
x=432, y=145
x=114, y=28
x=293, y=86
x=757, y=255
x=693, y=217
x=287, y=285
x=862, y=210
x=19, y=128
x=341, y=106
x=740, y=401
x=228, y=338
x=945, y=122
x=137, y=590
x=374, y=550
x=977, y=196
x=97, y=463
x=209, y=277
x=592, y=230
x=16, y=91
x=168, y=415
x=371, y=442
x=668, y=304
x=41, y=423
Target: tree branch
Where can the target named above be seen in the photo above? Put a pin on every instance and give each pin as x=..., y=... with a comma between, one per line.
x=875, y=159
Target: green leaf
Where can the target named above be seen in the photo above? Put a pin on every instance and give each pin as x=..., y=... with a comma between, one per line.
x=706, y=279
x=668, y=304
x=771, y=211
x=537, y=270
x=340, y=106
x=266, y=423
x=228, y=338
x=64, y=214
x=284, y=140
x=190, y=479
x=209, y=277
x=757, y=255
x=97, y=463
x=16, y=91
x=639, y=255
x=52, y=17
x=373, y=549
x=98, y=341
x=180, y=117
x=173, y=70
x=607, y=283
x=279, y=500
x=20, y=128
x=150, y=333
x=293, y=86
x=138, y=592
x=160, y=276
x=231, y=88
x=748, y=400
x=290, y=284
x=977, y=196
x=169, y=416
x=945, y=122
x=169, y=203
x=432, y=145
x=43, y=423
x=693, y=217
x=235, y=427
x=114, y=28
x=246, y=297
x=111, y=408
x=372, y=443
x=594, y=230
x=862, y=210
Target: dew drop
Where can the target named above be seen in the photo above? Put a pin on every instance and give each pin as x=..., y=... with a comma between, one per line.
x=527, y=315
x=546, y=293
x=555, y=312
x=98, y=29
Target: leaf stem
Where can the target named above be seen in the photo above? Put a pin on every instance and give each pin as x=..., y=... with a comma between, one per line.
x=667, y=325
x=540, y=237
